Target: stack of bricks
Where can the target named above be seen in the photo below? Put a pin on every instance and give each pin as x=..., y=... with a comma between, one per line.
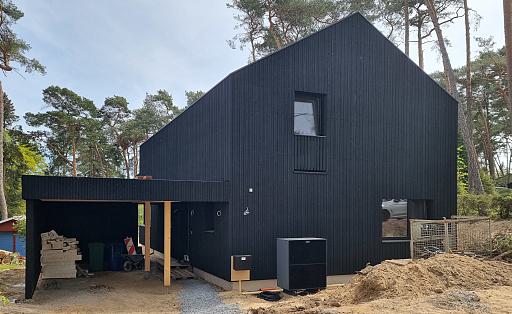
x=58, y=256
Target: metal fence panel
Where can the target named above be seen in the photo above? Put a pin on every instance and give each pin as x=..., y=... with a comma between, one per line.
x=468, y=235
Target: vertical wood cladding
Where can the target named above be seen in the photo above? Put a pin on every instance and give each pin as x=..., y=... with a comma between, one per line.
x=206, y=247
x=195, y=146
x=310, y=154
x=388, y=131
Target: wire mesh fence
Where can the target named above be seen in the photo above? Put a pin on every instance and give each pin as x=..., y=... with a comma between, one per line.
x=467, y=235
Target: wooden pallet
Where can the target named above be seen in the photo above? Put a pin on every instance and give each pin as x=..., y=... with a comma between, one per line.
x=178, y=273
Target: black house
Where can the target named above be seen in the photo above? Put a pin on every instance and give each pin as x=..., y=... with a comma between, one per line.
x=338, y=136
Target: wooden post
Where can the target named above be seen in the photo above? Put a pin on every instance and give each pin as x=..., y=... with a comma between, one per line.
x=147, y=236
x=167, y=244
x=446, y=237
x=14, y=242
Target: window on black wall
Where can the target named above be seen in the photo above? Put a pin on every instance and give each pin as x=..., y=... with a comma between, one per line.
x=307, y=114
x=394, y=218
x=395, y=215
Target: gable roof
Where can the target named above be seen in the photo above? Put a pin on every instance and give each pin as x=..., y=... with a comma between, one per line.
x=355, y=15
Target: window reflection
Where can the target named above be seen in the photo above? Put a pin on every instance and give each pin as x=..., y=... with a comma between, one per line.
x=394, y=218
x=304, y=118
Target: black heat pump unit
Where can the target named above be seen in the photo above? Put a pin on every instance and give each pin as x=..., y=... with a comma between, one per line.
x=301, y=263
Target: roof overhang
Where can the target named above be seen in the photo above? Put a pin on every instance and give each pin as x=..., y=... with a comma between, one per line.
x=51, y=188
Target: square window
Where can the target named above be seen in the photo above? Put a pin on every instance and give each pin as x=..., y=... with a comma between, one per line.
x=394, y=218
x=306, y=114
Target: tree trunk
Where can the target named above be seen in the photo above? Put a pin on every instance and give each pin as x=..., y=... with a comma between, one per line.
x=135, y=160
x=474, y=180
x=271, y=27
x=507, y=22
x=126, y=162
x=488, y=148
x=3, y=202
x=406, y=14
x=73, y=153
x=421, y=61
x=469, y=91
x=492, y=163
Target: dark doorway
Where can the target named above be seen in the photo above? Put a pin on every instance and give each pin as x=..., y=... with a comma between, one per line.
x=180, y=231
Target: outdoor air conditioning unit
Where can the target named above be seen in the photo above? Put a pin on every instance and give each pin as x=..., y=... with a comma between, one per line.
x=301, y=263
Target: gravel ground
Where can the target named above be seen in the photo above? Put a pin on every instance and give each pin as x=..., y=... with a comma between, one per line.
x=198, y=296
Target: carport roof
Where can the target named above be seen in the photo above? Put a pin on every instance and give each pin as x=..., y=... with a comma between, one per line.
x=114, y=189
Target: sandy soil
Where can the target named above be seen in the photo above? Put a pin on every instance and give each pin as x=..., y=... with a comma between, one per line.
x=109, y=292
x=12, y=283
x=495, y=300
x=444, y=283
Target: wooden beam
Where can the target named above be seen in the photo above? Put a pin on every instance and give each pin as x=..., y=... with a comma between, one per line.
x=147, y=236
x=167, y=244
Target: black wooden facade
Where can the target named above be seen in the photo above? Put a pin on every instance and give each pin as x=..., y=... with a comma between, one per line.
x=100, y=210
x=388, y=131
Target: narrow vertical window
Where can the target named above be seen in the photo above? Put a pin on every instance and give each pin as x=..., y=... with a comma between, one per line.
x=306, y=115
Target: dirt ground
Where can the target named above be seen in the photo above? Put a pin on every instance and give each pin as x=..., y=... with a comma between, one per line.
x=445, y=283
x=442, y=284
x=109, y=292
x=12, y=284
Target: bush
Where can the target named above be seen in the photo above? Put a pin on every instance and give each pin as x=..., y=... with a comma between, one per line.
x=496, y=205
x=503, y=206
x=475, y=204
x=502, y=243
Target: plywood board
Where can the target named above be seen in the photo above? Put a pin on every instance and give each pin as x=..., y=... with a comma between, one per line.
x=237, y=275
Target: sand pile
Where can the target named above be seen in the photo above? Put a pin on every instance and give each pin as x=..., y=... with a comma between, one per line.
x=427, y=276
x=388, y=280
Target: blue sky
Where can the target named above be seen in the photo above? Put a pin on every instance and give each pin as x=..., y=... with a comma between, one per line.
x=130, y=47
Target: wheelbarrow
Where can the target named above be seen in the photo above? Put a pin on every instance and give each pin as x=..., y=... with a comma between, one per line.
x=133, y=262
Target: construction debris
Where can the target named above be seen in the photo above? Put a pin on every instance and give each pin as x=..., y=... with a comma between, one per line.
x=7, y=257
x=58, y=256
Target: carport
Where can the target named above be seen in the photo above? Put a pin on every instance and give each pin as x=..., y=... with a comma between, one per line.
x=103, y=209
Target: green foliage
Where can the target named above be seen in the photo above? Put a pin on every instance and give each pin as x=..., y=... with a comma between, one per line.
x=503, y=205
x=21, y=226
x=502, y=243
x=23, y=156
x=140, y=209
x=193, y=96
x=462, y=169
x=266, y=26
x=74, y=130
x=487, y=182
x=4, y=300
x=13, y=49
x=475, y=204
x=497, y=205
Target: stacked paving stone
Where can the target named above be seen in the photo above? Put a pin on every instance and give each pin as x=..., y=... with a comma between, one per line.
x=58, y=256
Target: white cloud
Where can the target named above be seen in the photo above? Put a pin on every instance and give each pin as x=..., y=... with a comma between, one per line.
x=130, y=47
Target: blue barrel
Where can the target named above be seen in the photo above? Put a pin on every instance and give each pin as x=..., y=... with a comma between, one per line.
x=113, y=256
